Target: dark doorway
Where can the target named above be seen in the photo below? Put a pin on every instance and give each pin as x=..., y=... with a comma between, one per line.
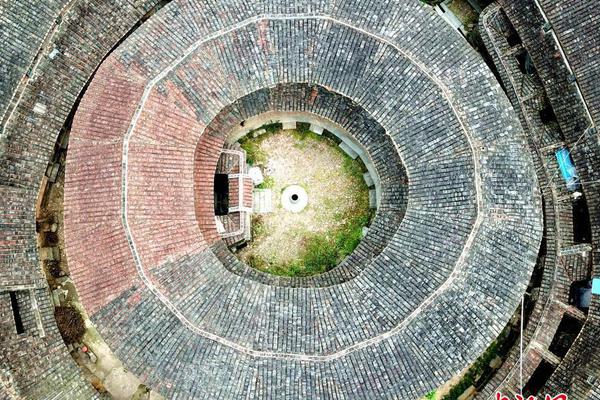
x=16, y=313
x=221, y=194
x=580, y=294
x=539, y=378
x=512, y=37
x=582, y=231
x=565, y=335
x=547, y=114
x=525, y=63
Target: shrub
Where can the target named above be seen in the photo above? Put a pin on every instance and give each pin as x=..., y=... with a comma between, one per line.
x=460, y=388
x=320, y=255
x=54, y=269
x=257, y=227
x=70, y=324
x=254, y=155
x=268, y=183
x=303, y=128
x=272, y=127
x=50, y=238
x=478, y=368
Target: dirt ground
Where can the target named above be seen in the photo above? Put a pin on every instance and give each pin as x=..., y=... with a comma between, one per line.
x=335, y=191
x=53, y=210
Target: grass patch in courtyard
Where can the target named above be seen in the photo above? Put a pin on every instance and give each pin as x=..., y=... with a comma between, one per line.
x=304, y=136
x=320, y=252
x=254, y=154
x=331, y=227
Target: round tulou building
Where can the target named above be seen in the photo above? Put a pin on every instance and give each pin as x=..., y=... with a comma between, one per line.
x=267, y=199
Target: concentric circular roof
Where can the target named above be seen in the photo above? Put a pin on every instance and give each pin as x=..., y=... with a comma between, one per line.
x=421, y=297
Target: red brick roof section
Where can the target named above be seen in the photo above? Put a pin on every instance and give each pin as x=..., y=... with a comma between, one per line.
x=108, y=105
x=234, y=192
x=247, y=185
x=248, y=188
x=102, y=268
x=161, y=210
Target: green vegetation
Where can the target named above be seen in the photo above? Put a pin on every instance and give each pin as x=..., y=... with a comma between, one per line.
x=303, y=128
x=304, y=136
x=463, y=10
x=468, y=16
x=70, y=324
x=480, y=371
x=458, y=389
x=254, y=155
x=320, y=253
x=268, y=183
x=348, y=237
x=352, y=167
x=258, y=227
x=323, y=252
x=430, y=395
x=271, y=127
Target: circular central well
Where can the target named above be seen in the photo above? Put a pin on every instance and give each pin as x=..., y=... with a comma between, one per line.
x=294, y=198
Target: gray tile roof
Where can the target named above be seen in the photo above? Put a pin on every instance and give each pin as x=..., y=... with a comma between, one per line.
x=421, y=298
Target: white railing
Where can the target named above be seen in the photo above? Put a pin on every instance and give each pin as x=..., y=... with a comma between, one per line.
x=240, y=177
